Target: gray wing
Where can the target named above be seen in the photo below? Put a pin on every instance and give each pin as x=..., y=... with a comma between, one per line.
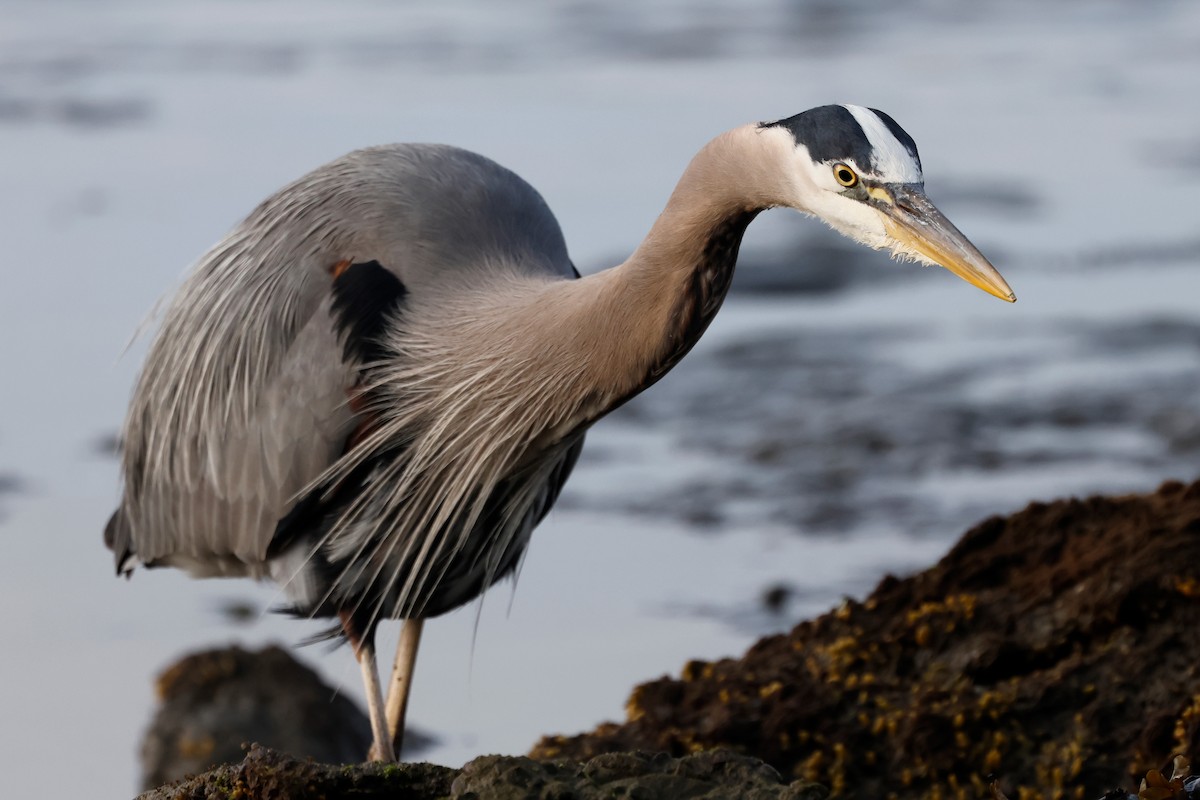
x=243, y=400
x=214, y=452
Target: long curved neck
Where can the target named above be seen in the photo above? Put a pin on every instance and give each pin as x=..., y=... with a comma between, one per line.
x=647, y=313
x=694, y=274
x=573, y=350
x=530, y=361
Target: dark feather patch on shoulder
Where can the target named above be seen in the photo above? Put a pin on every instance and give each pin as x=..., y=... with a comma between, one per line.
x=364, y=296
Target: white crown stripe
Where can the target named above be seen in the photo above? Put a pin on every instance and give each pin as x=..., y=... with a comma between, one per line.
x=893, y=162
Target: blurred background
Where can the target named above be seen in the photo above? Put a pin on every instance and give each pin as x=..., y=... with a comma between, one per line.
x=845, y=416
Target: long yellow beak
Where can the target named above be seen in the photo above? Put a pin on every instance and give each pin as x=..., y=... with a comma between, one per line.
x=917, y=226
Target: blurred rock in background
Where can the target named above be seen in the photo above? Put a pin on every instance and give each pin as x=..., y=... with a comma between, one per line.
x=215, y=700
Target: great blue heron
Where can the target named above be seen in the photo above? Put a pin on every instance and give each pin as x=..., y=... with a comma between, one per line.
x=374, y=388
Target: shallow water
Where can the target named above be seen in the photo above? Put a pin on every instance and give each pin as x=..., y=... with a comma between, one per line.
x=817, y=438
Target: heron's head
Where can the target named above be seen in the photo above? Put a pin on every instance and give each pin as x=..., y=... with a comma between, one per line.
x=859, y=172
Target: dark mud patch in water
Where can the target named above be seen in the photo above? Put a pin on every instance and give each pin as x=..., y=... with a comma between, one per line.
x=106, y=445
x=73, y=111
x=827, y=432
x=10, y=484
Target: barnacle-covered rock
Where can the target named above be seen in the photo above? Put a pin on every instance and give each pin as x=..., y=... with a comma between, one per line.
x=268, y=775
x=1057, y=648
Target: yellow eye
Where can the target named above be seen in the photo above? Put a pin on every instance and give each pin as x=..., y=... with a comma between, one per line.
x=845, y=176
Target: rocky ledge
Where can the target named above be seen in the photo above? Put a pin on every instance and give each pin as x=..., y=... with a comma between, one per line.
x=715, y=775
x=1057, y=648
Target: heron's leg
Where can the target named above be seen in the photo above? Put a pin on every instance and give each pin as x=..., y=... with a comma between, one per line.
x=381, y=750
x=364, y=651
x=401, y=683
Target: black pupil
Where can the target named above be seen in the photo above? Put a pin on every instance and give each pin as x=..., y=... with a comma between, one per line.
x=845, y=175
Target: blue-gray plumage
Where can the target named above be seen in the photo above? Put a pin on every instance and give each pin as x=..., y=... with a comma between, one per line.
x=373, y=389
